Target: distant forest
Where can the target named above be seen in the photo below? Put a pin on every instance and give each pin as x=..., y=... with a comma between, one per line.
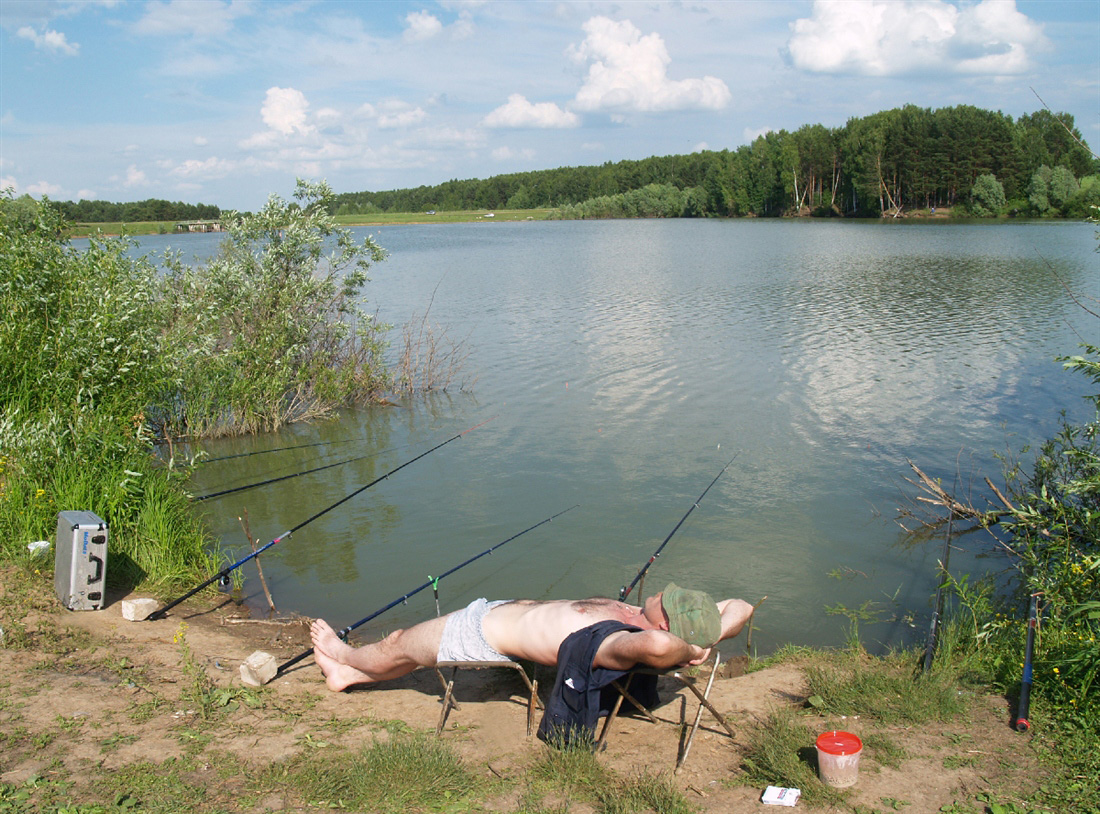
x=975, y=161
x=907, y=158
x=135, y=212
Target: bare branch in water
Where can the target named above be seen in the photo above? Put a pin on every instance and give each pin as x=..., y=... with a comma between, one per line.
x=430, y=359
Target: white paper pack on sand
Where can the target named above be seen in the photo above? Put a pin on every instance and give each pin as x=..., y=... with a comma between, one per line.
x=778, y=796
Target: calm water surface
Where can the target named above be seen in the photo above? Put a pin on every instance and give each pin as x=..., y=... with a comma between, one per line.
x=623, y=363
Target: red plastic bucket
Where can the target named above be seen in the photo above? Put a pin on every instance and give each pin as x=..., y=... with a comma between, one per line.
x=838, y=758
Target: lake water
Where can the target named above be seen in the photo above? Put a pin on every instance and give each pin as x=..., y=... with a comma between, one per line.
x=624, y=363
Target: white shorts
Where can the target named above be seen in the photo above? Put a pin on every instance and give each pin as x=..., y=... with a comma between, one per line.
x=463, y=639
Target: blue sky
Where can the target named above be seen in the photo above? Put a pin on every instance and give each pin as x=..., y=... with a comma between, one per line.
x=228, y=101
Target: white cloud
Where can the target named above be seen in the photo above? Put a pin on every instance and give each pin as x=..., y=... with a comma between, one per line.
x=284, y=111
x=629, y=73
x=135, y=177
x=462, y=28
x=328, y=117
x=49, y=40
x=751, y=134
x=897, y=37
x=200, y=18
x=44, y=188
x=507, y=154
x=210, y=168
x=200, y=141
x=9, y=181
x=422, y=25
x=86, y=195
x=518, y=112
x=395, y=114
x=391, y=114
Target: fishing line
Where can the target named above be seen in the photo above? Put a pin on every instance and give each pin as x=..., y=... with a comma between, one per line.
x=294, y=475
x=624, y=592
x=159, y=614
x=433, y=582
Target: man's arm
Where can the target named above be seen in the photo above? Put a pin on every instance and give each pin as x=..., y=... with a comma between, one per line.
x=652, y=648
x=735, y=613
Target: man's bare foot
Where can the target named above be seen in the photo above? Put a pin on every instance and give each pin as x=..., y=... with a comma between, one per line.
x=326, y=641
x=338, y=677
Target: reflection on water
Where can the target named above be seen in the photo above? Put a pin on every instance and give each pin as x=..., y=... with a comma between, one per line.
x=623, y=363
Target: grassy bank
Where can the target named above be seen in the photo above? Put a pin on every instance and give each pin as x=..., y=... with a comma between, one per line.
x=100, y=715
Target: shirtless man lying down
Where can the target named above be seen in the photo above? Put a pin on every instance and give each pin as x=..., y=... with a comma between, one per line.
x=678, y=627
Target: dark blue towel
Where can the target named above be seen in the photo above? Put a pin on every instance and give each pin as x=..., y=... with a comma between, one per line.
x=579, y=699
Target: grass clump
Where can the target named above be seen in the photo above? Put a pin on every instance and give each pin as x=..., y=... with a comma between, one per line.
x=779, y=752
x=562, y=775
x=407, y=773
x=848, y=686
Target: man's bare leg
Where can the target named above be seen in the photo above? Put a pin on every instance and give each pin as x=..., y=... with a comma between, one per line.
x=398, y=654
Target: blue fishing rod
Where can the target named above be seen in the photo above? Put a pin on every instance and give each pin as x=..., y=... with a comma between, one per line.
x=1023, y=709
x=937, y=611
x=276, y=449
x=624, y=592
x=225, y=572
x=433, y=582
x=269, y=481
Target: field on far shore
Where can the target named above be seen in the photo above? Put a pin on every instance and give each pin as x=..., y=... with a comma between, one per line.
x=168, y=227
x=163, y=227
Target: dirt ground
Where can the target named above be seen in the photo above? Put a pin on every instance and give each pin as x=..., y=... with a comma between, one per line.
x=84, y=702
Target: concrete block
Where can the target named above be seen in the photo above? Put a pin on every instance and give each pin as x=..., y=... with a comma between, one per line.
x=135, y=610
x=258, y=669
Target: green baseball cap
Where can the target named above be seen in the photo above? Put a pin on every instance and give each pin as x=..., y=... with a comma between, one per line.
x=692, y=615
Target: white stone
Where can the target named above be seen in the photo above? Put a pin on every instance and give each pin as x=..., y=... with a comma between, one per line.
x=258, y=669
x=135, y=610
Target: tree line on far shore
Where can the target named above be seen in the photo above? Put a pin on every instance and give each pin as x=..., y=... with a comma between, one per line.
x=902, y=159
x=976, y=162
x=153, y=209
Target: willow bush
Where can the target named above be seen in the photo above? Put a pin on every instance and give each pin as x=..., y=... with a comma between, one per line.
x=80, y=361
x=273, y=329
x=102, y=356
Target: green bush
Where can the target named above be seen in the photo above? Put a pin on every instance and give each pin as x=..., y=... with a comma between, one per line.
x=80, y=360
x=101, y=355
x=987, y=196
x=272, y=330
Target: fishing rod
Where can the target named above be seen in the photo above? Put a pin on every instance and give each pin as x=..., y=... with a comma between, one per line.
x=433, y=582
x=624, y=592
x=277, y=449
x=934, y=628
x=1022, y=724
x=160, y=614
x=288, y=477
